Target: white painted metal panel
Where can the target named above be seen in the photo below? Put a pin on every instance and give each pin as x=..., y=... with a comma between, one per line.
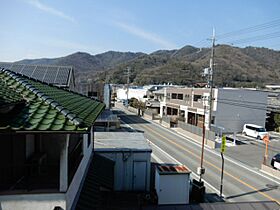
x=172, y=189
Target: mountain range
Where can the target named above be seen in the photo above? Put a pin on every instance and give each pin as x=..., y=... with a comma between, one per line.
x=234, y=66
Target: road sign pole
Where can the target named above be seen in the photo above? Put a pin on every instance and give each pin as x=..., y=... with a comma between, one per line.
x=223, y=149
x=266, y=141
x=222, y=175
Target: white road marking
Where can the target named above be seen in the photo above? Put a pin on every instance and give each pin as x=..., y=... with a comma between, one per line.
x=218, y=154
x=157, y=159
x=178, y=162
x=213, y=152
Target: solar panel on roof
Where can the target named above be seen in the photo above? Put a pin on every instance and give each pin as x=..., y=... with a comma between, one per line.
x=62, y=76
x=51, y=75
x=16, y=68
x=5, y=65
x=58, y=75
x=39, y=72
x=27, y=70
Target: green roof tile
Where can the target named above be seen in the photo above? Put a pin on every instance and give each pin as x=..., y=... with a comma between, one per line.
x=43, y=107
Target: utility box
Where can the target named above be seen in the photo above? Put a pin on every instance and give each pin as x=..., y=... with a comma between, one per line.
x=172, y=183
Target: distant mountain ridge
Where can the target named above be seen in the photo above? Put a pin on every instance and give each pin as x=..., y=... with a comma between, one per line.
x=84, y=62
x=234, y=66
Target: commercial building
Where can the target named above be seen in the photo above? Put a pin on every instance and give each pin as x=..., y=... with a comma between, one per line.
x=231, y=107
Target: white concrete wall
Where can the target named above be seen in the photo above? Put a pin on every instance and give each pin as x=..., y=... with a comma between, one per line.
x=132, y=93
x=80, y=173
x=33, y=201
x=123, y=170
x=235, y=107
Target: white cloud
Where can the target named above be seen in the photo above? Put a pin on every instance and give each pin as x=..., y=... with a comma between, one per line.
x=50, y=10
x=154, y=38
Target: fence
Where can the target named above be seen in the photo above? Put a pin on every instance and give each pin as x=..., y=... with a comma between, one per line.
x=165, y=121
x=196, y=130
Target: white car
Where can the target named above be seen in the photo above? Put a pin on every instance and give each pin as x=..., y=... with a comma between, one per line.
x=255, y=131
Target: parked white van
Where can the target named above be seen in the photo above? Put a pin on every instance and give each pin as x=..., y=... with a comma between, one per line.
x=254, y=131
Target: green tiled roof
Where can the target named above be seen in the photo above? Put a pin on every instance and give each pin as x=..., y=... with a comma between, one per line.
x=8, y=97
x=35, y=106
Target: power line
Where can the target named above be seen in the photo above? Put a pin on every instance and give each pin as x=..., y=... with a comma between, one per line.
x=237, y=101
x=256, y=38
x=250, y=106
x=264, y=26
x=201, y=42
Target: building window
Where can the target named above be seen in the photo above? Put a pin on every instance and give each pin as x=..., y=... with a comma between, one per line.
x=180, y=96
x=197, y=98
x=213, y=120
x=169, y=111
x=174, y=96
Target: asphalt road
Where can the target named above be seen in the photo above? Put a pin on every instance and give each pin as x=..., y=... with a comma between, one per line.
x=241, y=182
x=251, y=151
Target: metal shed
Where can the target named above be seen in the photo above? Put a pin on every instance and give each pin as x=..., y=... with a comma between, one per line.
x=132, y=156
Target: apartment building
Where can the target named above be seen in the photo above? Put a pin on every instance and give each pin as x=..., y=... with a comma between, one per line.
x=231, y=107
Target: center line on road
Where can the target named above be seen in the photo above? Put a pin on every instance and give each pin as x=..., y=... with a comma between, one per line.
x=214, y=166
x=218, y=154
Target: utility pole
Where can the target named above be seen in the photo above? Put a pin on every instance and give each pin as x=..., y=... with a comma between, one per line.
x=127, y=84
x=201, y=170
x=210, y=79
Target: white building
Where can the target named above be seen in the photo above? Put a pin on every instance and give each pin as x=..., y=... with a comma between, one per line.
x=133, y=92
x=231, y=107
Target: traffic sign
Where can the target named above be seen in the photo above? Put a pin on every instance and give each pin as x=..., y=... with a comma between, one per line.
x=223, y=145
x=266, y=138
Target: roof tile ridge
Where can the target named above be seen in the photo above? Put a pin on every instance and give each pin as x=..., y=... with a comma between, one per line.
x=47, y=99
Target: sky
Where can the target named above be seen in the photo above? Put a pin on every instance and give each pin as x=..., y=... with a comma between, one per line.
x=55, y=28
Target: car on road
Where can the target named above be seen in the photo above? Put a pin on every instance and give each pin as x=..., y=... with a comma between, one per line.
x=255, y=131
x=275, y=161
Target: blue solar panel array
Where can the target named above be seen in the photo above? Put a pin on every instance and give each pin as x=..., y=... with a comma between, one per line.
x=57, y=75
